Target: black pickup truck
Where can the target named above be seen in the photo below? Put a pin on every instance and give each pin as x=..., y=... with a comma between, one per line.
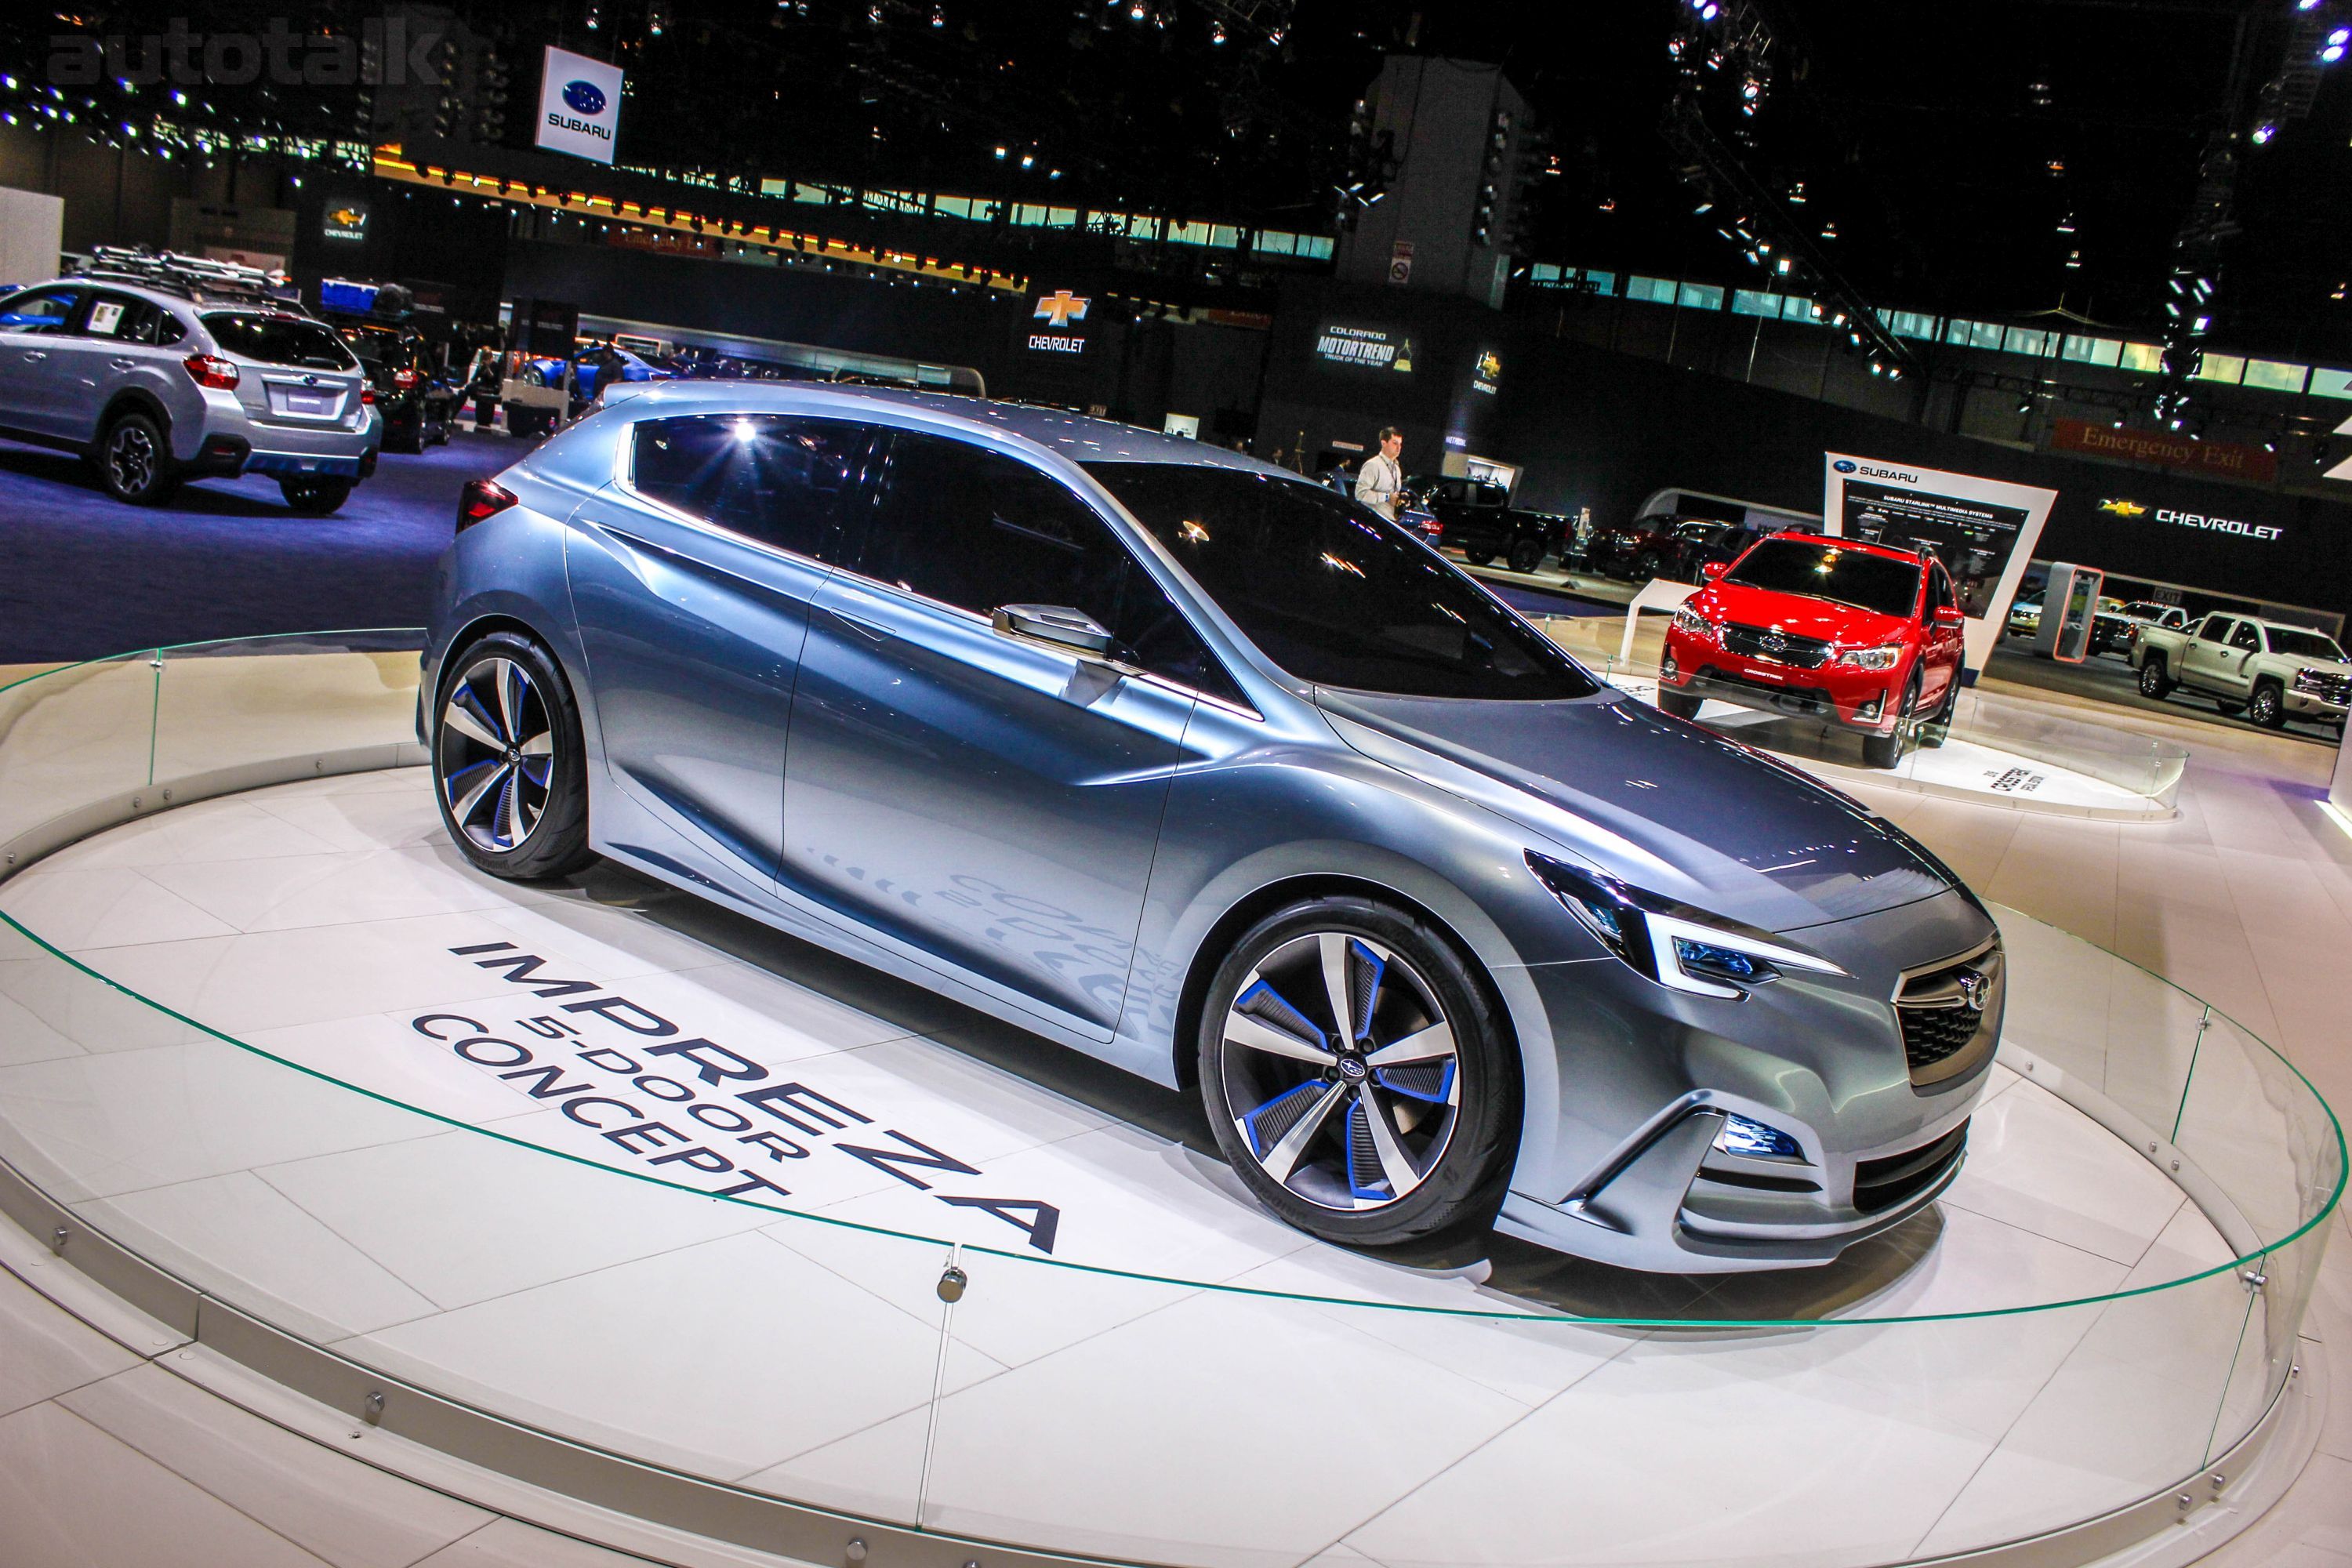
x=1479, y=520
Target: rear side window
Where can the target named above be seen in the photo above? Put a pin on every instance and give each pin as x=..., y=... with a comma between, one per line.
x=279, y=340
x=979, y=531
x=39, y=311
x=129, y=321
x=784, y=482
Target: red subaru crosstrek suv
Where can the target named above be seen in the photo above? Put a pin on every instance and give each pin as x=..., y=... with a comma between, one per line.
x=1866, y=637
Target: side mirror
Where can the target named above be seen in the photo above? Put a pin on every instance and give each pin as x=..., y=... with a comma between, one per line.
x=1062, y=627
x=1714, y=569
x=1947, y=615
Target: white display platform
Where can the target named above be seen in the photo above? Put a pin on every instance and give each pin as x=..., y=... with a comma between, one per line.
x=321, y=924
x=1959, y=769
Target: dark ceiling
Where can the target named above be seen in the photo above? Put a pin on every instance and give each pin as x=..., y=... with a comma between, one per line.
x=1946, y=145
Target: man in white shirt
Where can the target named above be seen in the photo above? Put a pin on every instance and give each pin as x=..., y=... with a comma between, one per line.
x=1380, y=483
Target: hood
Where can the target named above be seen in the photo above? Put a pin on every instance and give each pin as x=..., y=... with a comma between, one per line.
x=1660, y=803
x=1797, y=614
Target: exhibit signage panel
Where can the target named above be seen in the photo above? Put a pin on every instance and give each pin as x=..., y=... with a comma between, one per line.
x=1367, y=347
x=1063, y=314
x=1982, y=530
x=578, y=105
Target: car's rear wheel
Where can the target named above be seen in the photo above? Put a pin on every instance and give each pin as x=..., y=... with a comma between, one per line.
x=2155, y=681
x=1477, y=557
x=315, y=495
x=1527, y=554
x=1357, y=1074
x=1648, y=564
x=508, y=765
x=2268, y=708
x=134, y=460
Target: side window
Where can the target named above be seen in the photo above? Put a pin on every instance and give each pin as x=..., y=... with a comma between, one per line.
x=39, y=311
x=785, y=482
x=125, y=319
x=979, y=531
x=2213, y=628
x=2247, y=638
x=1939, y=588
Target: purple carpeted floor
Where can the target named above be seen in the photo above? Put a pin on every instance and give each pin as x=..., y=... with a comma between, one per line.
x=82, y=576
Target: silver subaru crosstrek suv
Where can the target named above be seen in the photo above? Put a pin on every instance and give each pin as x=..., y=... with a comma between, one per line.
x=156, y=377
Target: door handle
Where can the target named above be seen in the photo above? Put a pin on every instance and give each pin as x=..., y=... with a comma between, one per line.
x=35, y=356
x=124, y=363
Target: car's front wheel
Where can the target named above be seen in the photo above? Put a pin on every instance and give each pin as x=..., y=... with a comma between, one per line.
x=134, y=460
x=1886, y=750
x=507, y=768
x=1358, y=1076
x=1678, y=704
x=2268, y=708
x=1527, y=554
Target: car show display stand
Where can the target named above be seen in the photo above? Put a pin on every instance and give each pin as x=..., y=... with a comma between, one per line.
x=598, y=1186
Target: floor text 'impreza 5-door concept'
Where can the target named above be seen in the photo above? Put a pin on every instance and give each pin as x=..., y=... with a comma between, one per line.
x=1180, y=761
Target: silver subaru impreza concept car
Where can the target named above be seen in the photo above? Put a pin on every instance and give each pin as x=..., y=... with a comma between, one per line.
x=1182, y=762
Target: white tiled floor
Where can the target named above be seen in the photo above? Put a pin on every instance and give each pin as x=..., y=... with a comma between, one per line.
x=677, y=1327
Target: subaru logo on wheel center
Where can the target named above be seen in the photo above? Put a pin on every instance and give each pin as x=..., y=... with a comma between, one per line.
x=585, y=96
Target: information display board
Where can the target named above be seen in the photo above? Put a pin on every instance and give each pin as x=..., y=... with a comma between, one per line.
x=1982, y=530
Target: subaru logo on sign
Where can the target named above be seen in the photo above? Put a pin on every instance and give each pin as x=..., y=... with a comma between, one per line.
x=585, y=96
x=1843, y=464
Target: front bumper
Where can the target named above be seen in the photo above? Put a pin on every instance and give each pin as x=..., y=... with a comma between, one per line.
x=2312, y=705
x=1862, y=699
x=1874, y=1099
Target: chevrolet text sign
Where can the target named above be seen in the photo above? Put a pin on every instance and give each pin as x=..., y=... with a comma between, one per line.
x=578, y=105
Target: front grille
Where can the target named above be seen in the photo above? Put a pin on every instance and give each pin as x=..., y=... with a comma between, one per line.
x=2325, y=685
x=1884, y=1183
x=1760, y=642
x=1950, y=1013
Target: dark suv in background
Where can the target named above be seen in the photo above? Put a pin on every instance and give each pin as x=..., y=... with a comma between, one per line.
x=1478, y=519
x=416, y=401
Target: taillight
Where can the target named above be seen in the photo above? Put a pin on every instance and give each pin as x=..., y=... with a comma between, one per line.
x=403, y=379
x=367, y=394
x=481, y=499
x=211, y=370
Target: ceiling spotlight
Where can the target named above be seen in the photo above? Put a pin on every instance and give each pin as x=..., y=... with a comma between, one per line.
x=657, y=17
x=1028, y=160
x=1216, y=32
x=2263, y=132
x=1000, y=151
x=1704, y=208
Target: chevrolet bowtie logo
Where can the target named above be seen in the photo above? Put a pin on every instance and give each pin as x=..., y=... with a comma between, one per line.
x=1061, y=308
x=2124, y=508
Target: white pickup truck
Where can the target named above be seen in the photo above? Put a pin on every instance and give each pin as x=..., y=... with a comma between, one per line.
x=2264, y=669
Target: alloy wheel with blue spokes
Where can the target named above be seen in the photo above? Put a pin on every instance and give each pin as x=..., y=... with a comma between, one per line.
x=495, y=755
x=1341, y=1071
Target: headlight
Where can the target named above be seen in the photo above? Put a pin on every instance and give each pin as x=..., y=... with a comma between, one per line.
x=1689, y=620
x=1670, y=942
x=1885, y=658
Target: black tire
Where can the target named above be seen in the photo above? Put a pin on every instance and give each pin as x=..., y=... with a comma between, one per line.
x=405, y=439
x=1478, y=557
x=134, y=460
x=1454, y=1127
x=1527, y=554
x=2268, y=708
x=1886, y=750
x=316, y=495
x=1678, y=704
x=1648, y=564
x=551, y=812
x=2155, y=681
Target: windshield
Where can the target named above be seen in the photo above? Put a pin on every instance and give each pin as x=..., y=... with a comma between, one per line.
x=2303, y=645
x=279, y=339
x=1335, y=595
x=1858, y=577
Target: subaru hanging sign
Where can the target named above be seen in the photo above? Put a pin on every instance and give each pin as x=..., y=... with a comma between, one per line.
x=578, y=105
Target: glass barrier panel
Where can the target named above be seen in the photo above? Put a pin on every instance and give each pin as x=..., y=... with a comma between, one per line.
x=2254, y=1127
x=75, y=736
x=322, y=696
